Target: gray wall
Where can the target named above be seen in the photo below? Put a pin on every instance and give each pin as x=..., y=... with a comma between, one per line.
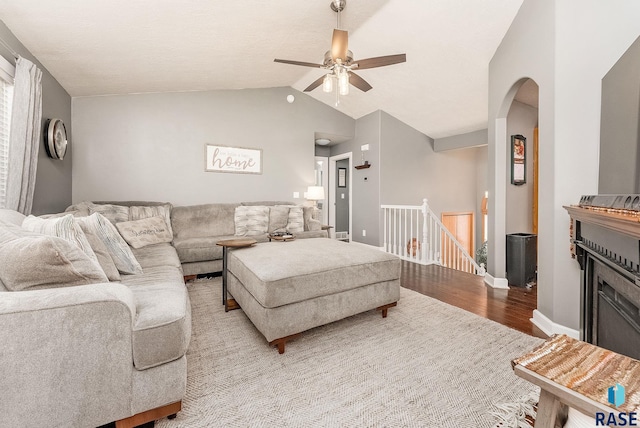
x=53, y=178
x=619, y=125
x=324, y=151
x=461, y=141
x=151, y=146
x=412, y=171
x=522, y=119
x=365, y=193
x=342, y=198
x=404, y=170
x=482, y=161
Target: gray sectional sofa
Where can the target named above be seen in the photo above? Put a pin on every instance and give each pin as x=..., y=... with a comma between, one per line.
x=83, y=356
x=197, y=228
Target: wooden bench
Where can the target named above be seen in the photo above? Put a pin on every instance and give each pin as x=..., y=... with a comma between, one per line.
x=577, y=374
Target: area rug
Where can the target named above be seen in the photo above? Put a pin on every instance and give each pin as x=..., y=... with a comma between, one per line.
x=428, y=364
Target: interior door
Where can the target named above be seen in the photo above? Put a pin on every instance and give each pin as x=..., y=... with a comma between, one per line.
x=461, y=227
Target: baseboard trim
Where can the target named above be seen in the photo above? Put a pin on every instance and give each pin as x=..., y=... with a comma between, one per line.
x=501, y=283
x=550, y=328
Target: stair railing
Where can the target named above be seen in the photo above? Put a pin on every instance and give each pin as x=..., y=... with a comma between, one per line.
x=416, y=234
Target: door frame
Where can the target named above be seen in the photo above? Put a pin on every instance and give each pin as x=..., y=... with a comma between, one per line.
x=332, y=191
x=325, y=184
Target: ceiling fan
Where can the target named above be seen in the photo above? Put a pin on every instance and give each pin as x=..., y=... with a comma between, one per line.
x=340, y=63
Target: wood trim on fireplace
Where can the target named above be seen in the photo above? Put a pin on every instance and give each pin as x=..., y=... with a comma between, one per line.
x=616, y=220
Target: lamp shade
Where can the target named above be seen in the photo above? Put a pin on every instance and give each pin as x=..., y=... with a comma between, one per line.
x=315, y=193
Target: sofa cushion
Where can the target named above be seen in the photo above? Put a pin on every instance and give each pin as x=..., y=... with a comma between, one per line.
x=146, y=231
x=295, y=223
x=119, y=250
x=313, y=267
x=251, y=220
x=138, y=212
x=204, y=248
x=203, y=220
x=113, y=213
x=64, y=227
x=29, y=260
x=162, y=326
x=278, y=218
x=157, y=255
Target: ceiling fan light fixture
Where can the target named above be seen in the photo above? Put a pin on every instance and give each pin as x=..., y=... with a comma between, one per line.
x=343, y=82
x=327, y=83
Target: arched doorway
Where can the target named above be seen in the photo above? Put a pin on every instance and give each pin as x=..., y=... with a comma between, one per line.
x=515, y=202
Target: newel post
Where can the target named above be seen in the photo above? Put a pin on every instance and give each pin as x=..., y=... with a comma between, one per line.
x=425, y=229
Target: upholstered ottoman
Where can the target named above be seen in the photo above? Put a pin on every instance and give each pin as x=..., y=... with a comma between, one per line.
x=286, y=288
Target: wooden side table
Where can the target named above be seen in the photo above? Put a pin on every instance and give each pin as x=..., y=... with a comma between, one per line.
x=231, y=304
x=573, y=373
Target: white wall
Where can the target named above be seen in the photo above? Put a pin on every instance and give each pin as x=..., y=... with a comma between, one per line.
x=151, y=146
x=566, y=48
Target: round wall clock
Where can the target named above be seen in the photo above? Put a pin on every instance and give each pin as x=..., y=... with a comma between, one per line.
x=55, y=139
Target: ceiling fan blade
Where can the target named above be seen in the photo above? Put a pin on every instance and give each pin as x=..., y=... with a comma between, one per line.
x=304, y=64
x=339, y=45
x=359, y=82
x=379, y=61
x=314, y=85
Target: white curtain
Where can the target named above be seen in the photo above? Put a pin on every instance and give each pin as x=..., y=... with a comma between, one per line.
x=24, y=138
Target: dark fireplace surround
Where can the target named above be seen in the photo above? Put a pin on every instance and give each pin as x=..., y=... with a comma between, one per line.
x=606, y=243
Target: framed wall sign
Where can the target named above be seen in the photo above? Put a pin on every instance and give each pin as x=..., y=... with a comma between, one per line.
x=237, y=160
x=342, y=177
x=518, y=160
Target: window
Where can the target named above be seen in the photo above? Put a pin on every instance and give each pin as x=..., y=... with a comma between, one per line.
x=7, y=72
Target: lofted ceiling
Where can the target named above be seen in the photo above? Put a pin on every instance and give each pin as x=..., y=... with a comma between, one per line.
x=102, y=47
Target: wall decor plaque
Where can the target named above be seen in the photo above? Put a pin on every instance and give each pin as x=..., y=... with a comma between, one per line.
x=237, y=160
x=518, y=160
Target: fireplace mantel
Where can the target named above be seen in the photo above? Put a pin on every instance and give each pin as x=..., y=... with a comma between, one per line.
x=615, y=220
x=606, y=243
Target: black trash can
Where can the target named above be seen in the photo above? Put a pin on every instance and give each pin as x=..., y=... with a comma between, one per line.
x=522, y=258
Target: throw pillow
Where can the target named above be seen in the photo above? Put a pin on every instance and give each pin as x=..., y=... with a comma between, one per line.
x=295, y=222
x=307, y=214
x=278, y=218
x=119, y=250
x=29, y=260
x=113, y=213
x=147, y=231
x=101, y=251
x=62, y=227
x=140, y=212
x=11, y=216
x=251, y=220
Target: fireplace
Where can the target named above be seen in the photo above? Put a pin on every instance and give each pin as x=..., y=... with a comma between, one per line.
x=606, y=242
